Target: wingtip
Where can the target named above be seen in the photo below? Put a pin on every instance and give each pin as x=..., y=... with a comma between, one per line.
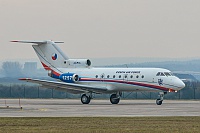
x=24, y=78
x=14, y=41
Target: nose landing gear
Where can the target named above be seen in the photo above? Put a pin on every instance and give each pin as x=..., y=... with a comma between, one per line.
x=160, y=98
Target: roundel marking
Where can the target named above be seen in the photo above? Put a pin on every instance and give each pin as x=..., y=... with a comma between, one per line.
x=54, y=56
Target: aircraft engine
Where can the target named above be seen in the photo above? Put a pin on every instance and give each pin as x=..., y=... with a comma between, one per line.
x=77, y=63
x=69, y=77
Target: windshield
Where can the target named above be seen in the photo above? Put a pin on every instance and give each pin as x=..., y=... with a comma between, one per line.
x=164, y=74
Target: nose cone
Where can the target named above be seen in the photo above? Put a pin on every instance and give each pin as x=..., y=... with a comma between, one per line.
x=180, y=84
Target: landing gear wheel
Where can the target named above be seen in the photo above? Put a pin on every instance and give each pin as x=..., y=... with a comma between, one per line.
x=114, y=99
x=158, y=101
x=85, y=99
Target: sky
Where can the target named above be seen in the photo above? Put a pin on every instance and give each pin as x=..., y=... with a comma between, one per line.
x=102, y=28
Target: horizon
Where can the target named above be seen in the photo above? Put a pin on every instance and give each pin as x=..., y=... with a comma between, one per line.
x=109, y=61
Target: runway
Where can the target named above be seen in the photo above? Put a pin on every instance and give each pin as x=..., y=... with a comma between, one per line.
x=103, y=108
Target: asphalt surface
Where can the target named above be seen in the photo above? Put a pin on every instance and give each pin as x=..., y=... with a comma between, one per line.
x=74, y=108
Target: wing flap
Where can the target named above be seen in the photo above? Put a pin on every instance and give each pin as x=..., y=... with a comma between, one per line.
x=69, y=87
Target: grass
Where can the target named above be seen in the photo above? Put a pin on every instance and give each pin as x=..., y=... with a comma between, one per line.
x=100, y=124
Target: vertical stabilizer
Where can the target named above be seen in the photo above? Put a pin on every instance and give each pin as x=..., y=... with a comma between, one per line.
x=50, y=55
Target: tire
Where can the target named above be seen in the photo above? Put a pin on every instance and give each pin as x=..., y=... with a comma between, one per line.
x=158, y=101
x=114, y=99
x=85, y=99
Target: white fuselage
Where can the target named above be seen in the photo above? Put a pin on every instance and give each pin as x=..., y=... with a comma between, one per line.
x=80, y=77
x=127, y=79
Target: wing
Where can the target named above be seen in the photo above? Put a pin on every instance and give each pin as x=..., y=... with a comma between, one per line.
x=68, y=87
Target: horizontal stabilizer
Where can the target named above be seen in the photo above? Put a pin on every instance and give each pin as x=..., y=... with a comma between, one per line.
x=37, y=42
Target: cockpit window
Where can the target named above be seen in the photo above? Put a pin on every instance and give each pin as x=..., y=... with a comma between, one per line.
x=158, y=74
x=167, y=74
x=164, y=74
x=171, y=74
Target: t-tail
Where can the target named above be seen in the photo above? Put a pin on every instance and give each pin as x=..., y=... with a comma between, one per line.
x=52, y=57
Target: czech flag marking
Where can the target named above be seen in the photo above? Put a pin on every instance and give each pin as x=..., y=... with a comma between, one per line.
x=54, y=56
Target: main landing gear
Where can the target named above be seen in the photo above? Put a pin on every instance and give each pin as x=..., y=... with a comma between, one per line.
x=85, y=99
x=114, y=98
x=159, y=100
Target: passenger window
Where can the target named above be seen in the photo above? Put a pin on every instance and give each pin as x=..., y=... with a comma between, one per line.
x=120, y=76
x=142, y=76
x=113, y=76
x=108, y=76
x=96, y=76
x=125, y=76
x=102, y=76
x=137, y=76
x=131, y=76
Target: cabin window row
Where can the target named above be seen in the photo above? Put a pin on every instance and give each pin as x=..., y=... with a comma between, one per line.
x=120, y=76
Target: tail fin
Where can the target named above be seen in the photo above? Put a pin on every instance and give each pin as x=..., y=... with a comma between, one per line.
x=49, y=54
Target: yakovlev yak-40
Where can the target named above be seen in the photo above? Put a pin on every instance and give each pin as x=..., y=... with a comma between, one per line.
x=78, y=77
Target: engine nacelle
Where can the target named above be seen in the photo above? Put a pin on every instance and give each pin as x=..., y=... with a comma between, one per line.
x=77, y=63
x=69, y=77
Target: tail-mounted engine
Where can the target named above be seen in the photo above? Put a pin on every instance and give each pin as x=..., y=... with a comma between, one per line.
x=77, y=63
x=69, y=77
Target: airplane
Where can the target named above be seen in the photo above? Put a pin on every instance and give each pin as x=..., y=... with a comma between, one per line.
x=77, y=76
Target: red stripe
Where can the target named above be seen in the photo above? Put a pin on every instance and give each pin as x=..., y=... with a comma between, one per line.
x=131, y=83
x=55, y=73
x=48, y=68
x=25, y=79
